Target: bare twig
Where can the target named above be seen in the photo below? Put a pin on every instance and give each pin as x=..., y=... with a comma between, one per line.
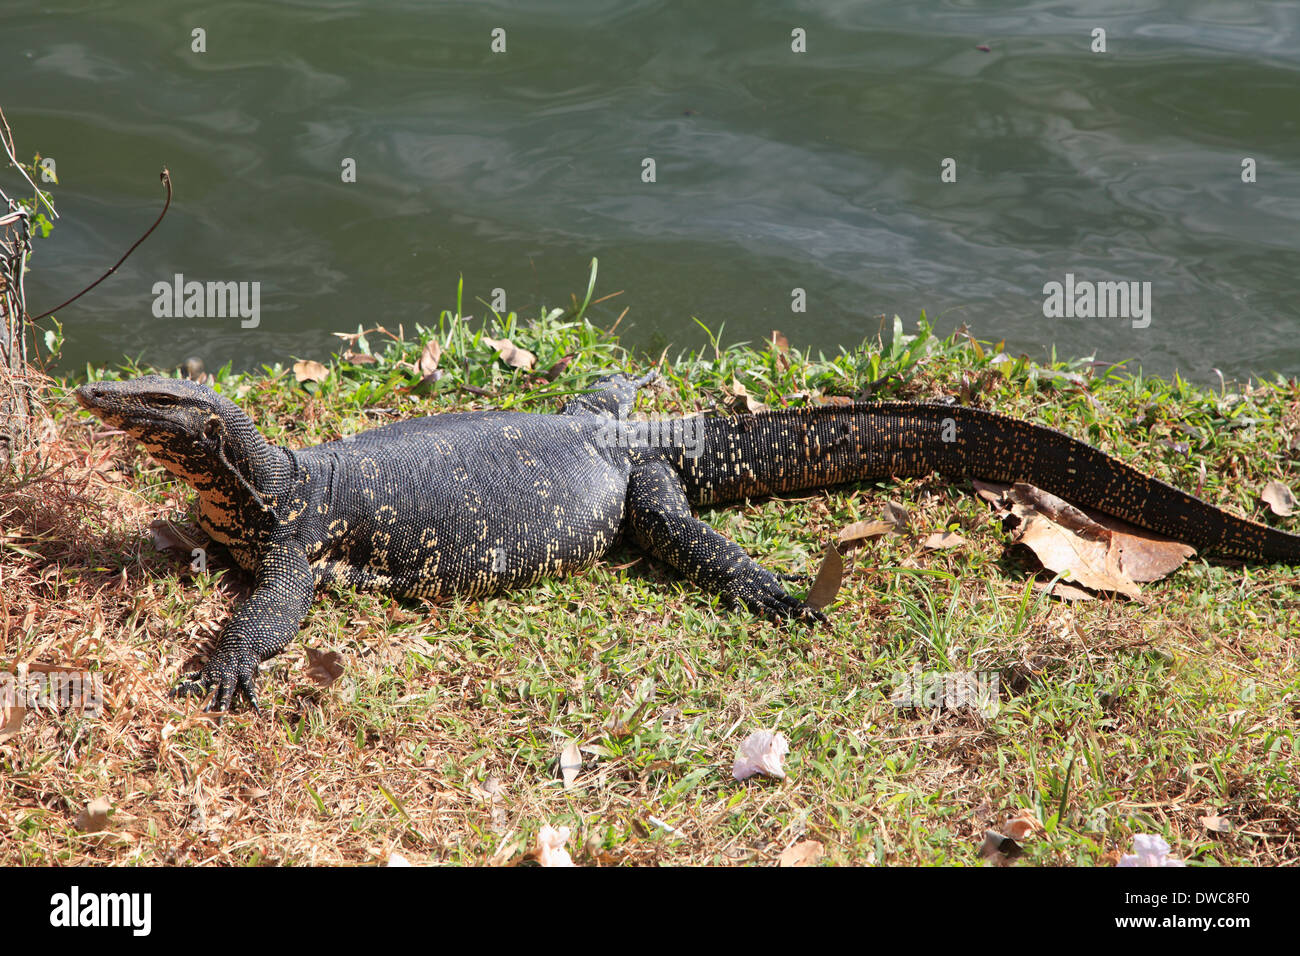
x=166, y=178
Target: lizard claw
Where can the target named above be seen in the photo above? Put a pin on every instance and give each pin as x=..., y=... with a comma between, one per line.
x=790, y=608
x=229, y=676
x=780, y=607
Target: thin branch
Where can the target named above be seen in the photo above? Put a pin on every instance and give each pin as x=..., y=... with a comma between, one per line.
x=166, y=178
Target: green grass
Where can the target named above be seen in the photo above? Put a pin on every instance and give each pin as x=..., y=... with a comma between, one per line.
x=1114, y=718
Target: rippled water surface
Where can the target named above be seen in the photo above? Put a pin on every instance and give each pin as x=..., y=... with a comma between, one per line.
x=775, y=170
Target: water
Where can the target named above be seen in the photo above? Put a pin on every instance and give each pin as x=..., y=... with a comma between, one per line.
x=775, y=170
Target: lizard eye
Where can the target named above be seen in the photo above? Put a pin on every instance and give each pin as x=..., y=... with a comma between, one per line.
x=167, y=401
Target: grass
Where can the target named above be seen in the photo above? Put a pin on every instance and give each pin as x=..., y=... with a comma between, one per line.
x=441, y=739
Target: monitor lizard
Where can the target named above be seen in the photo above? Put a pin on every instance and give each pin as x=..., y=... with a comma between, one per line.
x=471, y=503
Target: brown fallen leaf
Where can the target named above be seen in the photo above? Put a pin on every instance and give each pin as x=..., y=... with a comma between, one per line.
x=570, y=764
x=1066, y=541
x=511, y=354
x=95, y=817
x=428, y=362
x=359, y=358
x=896, y=514
x=1279, y=499
x=11, y=721
x=167, y=536
x=324, y=667
x=999, y=848
x=860, y=531
x=803, y=853
x=550, y=849
x=1021, y=825
x=1216, y=824
x=1098, y=551
x=743, y=400
x=943, y=539
x=827, y=583
x=192, y=368
x=1065, y=591
x=558, y=369
x=307, y=370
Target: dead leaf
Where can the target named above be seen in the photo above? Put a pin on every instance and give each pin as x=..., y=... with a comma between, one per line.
x=558, y=369
x=854, y=534
x=493, y=792
x=764, y=752
x=1279, y=499
x=1098, y=551
x=1216, y=824
x=353, y=337
x=827, y=583
x=744, y=401
x=896, y=515
x=428, y=362
x=999, y=848
x=944, y=539
x=803, y=853
x=360, y=358
x=324, y=667
x=167, y=536
x=11, y=720
x=1021, y=825
x=1065, y=591
x=511, y=354
x=307, y=370
x=95, y=817
x=570, y=764
x=550, y=846
x=1066, y=545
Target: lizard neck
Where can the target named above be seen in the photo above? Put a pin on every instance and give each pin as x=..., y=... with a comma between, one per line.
x=239, y=486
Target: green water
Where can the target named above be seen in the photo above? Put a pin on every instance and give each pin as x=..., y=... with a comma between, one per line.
x=775, y=170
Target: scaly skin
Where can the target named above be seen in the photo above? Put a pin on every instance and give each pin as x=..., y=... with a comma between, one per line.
x=479, y=502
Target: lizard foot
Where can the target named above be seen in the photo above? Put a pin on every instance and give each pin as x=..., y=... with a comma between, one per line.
x=230, y=674
x=771, y=601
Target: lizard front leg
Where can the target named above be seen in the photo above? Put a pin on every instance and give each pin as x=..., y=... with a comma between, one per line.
x=259, y=630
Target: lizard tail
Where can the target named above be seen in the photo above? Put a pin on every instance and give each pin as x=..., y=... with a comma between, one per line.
x=796, y=449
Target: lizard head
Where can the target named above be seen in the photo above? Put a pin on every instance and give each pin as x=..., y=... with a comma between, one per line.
x=190, y=429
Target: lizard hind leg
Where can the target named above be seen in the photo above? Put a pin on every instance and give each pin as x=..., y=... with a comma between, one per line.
x=662, y=523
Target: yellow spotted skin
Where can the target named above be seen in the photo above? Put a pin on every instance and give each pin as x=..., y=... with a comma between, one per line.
x=473, y=503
